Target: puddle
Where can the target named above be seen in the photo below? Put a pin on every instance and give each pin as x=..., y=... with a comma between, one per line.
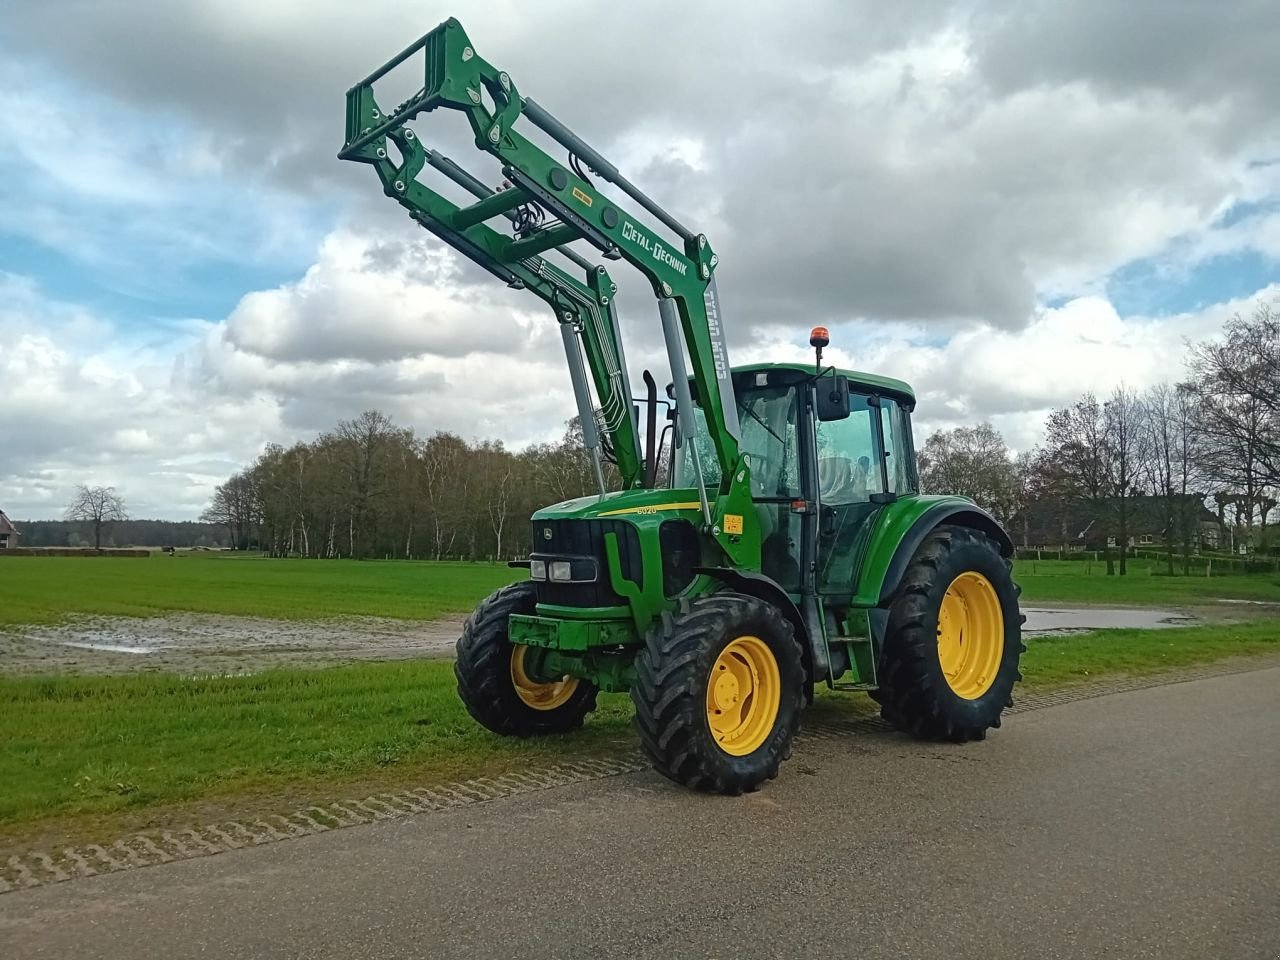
x=109, y=647
x=216, y=645
x=1055, y=620
x=209, y=644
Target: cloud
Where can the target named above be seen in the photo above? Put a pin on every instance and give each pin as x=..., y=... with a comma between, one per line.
x=1013, y=378
x=85, y=401
x=376, y=302
x=848, y=159
x=952, y=188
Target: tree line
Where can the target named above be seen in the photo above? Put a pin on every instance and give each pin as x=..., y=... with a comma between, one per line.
x=370, y=488
x=1214, y=436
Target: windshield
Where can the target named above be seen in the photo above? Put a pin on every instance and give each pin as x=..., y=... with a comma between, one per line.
x=767, y=416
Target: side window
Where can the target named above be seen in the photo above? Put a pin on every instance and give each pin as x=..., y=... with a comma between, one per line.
x=895, y=447
x=847, y=469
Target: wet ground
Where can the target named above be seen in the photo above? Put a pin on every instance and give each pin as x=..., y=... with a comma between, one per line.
x=194, y=643
x=1054, y=620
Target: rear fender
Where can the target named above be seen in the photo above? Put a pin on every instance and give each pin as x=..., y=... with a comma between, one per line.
x=955, y=512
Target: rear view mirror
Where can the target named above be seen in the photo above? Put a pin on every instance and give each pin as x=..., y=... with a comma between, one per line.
x=832, y=398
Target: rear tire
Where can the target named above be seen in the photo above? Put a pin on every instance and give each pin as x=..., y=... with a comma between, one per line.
x=953, y=640
x=492, y=683
x=718, y=693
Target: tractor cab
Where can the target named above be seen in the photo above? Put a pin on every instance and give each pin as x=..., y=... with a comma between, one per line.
x=833, y=465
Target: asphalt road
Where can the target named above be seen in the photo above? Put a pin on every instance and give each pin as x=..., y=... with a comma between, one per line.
x=1144, y=824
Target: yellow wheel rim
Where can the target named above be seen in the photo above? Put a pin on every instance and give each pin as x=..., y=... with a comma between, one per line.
x=743, y=695
x=540, y=696
x=970, y=635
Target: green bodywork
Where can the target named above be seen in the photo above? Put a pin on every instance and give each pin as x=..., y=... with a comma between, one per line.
x=599, y=642
x=589, y=634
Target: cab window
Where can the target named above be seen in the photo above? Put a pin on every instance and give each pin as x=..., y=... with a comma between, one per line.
x=848, y=458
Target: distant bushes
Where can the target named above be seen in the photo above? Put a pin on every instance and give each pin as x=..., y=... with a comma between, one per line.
x=1202, y=565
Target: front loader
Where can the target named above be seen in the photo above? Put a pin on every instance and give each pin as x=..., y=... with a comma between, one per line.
x=787, y=545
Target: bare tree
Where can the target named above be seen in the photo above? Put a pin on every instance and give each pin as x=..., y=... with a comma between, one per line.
x=98, y=506
x=365, y=446
x=973, y=462
x=236, y=505
x=444, y=482
x=1236, y=385
x=1075, y=462
x=1168, y=466
x=1123, y=421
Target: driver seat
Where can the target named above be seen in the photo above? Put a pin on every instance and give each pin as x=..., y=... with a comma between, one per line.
x=835, y=480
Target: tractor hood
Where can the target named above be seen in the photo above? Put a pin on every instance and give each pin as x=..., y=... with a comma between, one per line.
x=624, y=503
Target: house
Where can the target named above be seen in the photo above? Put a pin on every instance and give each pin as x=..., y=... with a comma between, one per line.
x=1094, y=524
x=8, y=532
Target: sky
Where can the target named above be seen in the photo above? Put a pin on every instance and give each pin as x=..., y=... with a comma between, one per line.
x=1006, y=205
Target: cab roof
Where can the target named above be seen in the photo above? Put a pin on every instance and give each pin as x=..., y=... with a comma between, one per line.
x=856, y=377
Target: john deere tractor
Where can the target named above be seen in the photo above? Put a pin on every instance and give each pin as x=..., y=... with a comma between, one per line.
x=774, y=542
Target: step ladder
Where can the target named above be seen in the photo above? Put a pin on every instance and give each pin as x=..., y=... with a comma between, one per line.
x=856, y=641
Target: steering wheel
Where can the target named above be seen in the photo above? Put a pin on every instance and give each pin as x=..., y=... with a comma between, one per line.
x=762, y=467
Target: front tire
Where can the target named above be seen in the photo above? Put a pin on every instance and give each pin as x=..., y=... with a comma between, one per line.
x=493, y=683
x=718, y=693
x=953, y=641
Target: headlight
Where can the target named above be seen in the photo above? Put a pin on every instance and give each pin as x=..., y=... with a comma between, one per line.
x=538, y=569
x=561, y=570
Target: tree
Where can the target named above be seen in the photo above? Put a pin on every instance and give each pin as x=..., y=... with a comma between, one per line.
x=1168, y=465
x=1075, y=462
x=236, y=506
x=98, y=506
x=1236, y=386
x=973, y=462
x=1125, y=441
x=365, y=447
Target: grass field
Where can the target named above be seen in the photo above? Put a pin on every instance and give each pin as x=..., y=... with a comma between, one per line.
x=1080, y=582
x=48, y=589
x=102, y=746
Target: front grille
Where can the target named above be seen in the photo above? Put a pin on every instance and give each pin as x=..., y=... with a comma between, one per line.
x=560, y=539
x=681, y=552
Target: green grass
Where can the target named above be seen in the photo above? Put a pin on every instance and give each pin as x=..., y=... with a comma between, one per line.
x=92, y=745
x=1086, y=582
x=47, y=589
x=101, y=746
x=1071, y=658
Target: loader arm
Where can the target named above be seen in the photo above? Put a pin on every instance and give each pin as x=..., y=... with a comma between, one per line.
x=681, y=271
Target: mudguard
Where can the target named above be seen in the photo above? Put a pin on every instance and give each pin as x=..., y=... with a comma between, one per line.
x=961, y=513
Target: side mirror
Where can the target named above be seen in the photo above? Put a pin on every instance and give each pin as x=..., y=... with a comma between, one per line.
x=832, y=398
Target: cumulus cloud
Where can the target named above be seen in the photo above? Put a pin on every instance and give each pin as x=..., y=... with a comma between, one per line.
x=362, y=329
x=1015, y=377
x=849, y=159
x=924, y=180
x=373, y=302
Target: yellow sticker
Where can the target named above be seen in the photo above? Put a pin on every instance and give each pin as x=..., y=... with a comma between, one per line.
x=582, y=198
x=733, y=523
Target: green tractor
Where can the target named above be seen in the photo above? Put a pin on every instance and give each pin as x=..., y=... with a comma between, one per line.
x=784, y=544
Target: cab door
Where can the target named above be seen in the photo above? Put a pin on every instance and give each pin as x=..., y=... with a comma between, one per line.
x=859, y=467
